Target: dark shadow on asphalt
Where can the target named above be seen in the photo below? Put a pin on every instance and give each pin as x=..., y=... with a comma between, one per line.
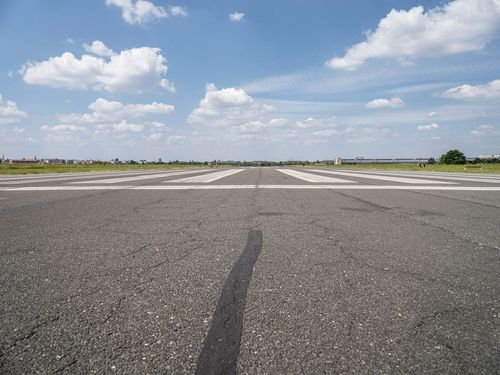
x=222, y=344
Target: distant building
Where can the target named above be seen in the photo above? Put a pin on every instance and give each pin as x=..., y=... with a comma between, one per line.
x=26, y=160
x=362, y=160
x=489, y=156
x=338, y=161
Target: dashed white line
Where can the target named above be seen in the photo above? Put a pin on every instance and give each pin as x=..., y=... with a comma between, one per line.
x=206, y=178
x=310, y=177
x=383, y=178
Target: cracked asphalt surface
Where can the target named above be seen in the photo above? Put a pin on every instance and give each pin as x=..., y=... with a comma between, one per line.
x=345, y=281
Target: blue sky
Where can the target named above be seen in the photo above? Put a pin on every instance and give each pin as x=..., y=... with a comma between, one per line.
x=249, y=80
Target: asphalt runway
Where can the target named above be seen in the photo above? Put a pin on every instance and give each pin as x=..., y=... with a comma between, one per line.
x=250, y=271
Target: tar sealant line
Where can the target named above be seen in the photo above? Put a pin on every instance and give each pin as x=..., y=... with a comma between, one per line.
x=383, y=178
x=138, y=178
x=242, y=187
x=206, y=178
x=310, y=177
x=221, y=348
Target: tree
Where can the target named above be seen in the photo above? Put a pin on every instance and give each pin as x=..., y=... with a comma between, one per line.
x=453, y=157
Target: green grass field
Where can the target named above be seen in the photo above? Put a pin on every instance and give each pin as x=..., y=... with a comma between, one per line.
x=64, y=168
x=487, y=168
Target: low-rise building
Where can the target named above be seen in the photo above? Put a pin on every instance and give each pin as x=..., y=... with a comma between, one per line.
x=26, y=160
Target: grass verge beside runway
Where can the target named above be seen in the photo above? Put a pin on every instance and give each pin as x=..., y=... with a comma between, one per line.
x=487, y=168
x=65, y=168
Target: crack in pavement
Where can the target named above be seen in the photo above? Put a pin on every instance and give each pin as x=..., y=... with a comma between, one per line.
x=31, y=333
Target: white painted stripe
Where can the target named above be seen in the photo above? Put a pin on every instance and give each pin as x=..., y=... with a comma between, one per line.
x=65, y=178
x=309, y=177
x=383, y=178
x=225, y=187
x=65, y=175
x=431, y=173
x=441, y=177
x=138, y=178
x=211, y=177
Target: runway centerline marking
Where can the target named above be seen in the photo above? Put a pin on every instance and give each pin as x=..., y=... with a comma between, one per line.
x=310, y=177
x=206, y=178
x=383, y=178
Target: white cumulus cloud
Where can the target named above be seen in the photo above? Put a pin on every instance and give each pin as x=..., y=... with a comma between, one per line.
x=491, y=90
x=178, y=10
x=124, y=126
x=132, y=70
x=138, y=12
x=457, y=27
x=428, y=127
x=106, y=111
x=236, y=16
x=483, y=130
x=98, y=48
x=317, y=122
x=10, y=113
x=64, y=132
x=260, y=125
x=227, y=107
x=391, y=103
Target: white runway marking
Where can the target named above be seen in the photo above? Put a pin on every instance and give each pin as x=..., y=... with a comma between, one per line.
x=431, y=174
x=487, y=179
x=309, y=177
x=383, y=178
x=34, y=180
x=138, y=178
x=46, y=176
x=225, y=187
x=206, y=178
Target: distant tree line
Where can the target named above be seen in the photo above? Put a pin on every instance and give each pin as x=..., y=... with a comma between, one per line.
x=458, y=157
